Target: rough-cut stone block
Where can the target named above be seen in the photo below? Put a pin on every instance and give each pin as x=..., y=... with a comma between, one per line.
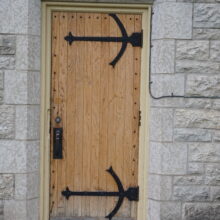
x=26, y=186
x=201, y=211
x=168, y=158
x=190, y=118
x=6, y=186
x=206, y=34
x=191, y=193
x=204, y=152
x=162, y=56
x=28, y=53
x=212, y=174
x=195, y=168
x=164, y=84
x=170, y=211
x=197, y=85
x=215, y=50
x=216, y=136
x=7, y=62
x=197, y=50
x=27, y=122
x=198, y=103
x=161, y=128
x=161, y=187
x=7, y=44
x=206, y=16
x=13, y=157
x=7, y=125
x=192, y=135
x=193, y=66
x=170, y=21
x=15, y=81
x=188, y=180
x=1, y=210
x=1, y=86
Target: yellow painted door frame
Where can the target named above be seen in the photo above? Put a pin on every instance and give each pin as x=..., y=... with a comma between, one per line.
x=47, y=9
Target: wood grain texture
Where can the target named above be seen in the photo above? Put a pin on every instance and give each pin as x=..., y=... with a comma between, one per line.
x=99, y=106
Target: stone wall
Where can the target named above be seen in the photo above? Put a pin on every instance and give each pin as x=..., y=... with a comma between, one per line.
x=19, y=109
x=185, y=133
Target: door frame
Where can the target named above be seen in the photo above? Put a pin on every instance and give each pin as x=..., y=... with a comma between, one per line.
x=143, y=166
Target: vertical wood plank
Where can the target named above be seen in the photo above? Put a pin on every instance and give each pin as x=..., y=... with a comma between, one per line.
x=61, y=164
x=87, y=135
x=136, y=101
x=96, y=71
x=103, y=146
x=71, y=113
x=54, y=108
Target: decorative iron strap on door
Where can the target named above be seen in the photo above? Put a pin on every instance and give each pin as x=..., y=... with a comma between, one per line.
x=132, y=193
x=135, y=39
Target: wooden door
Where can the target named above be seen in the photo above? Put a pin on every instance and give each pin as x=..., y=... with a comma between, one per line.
x=97, y=106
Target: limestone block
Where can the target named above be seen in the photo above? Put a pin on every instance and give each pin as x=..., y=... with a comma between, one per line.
x=13, y=156
x=212, y=174
x=206, y=16
x=197, y=50
x=215, y=193
x=170, y=211
x=33, y=209
x=164, y=84
x=33, y=87
x=160, y=187
x=195, y=168
x=193, y=118
x=162, y=56
x=6, y=186
x=215, y=50
x=33, y=156
x=191, y=193
x=154, y=210
x=15, y=81
x=7, y=44
x=15, y=210
x=194, y=66
x=26, y=186
x=1, y=210
x=198, y=85
x=28, y=52
x=168, y=158
x=25, y=86
x=201, y=211
x=161, y=128
x=188, y=180
x=34, y=17
x=27, y=122
x=7, y=116
x=206, y=34
x=192, y=135
x=204, y=152
x=7, y=62
x=14, y=16
x=170, y=21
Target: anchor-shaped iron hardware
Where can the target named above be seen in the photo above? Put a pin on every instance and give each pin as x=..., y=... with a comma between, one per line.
x=132, y=193
x=135, y=39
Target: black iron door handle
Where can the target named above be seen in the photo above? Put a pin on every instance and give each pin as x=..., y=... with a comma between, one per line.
x=57, y=143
